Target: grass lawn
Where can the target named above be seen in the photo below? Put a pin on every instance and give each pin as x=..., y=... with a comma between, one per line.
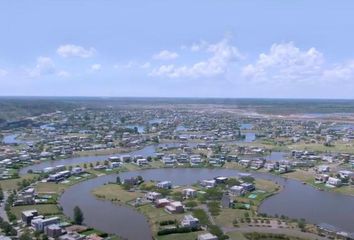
x=265, y=185
x=180, y=236
x=318, y=147
x=228, y=215
x=115, y=192
x=11, y=184
x=301, y=175
x=236, y=236
x=349, y=190
x=43, y=209
x=50, y=187
x=156, y=215
x=76, y=179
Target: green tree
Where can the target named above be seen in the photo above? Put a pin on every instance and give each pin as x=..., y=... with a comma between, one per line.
x=25, y=236
x=118, y=181
x=1, y=194
x=191, y=204
x=78, y=215
x=248, y=179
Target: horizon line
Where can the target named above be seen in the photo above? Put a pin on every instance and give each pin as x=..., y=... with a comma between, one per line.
x=179, y=97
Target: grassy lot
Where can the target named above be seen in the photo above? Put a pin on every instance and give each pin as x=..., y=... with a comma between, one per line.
x=228, y=215
x=156, y=215
x=236, y=236
x=301, y=175
x=100, y=152
x=266, y=185
x=338, y=147
x=115, y=192
x=43, y=209
x=76, y=179
x=11, y=184
x=349, y=190
x=50, y=187
x=180, y=236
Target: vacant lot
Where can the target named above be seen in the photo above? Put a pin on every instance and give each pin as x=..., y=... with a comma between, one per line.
x=115, y=192
x=50, y=187
x=43, y=209
x=11, y=184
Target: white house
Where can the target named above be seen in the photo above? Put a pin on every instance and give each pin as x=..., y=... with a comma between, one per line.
x=345, y=174
x=142, y=162
x=164, y=185
x=76, y=170
x=236, y=190
x=333, y=182
x=208, y=183
x=190, y=221
x=115, y=164
x=168, y=160
x=153, y=196
x=189, y=192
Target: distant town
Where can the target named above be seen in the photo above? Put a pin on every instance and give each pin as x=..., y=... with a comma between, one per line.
x=175, y=169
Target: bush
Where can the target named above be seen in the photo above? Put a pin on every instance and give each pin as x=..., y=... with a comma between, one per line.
x=176, y=230
x=202, y=216
x=167, y=222
x=214, y=208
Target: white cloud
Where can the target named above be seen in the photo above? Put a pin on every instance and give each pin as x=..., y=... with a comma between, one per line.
x=343, y=72
x=3, y=72
x=132, y=64
x=165, y=55
x=71, y=50
x=222, y=55
x=286, y=62
x=44, y=66
x=63, y=74
x=129, y=64
x=96, y=67
x=196, y=47
x=146, y=65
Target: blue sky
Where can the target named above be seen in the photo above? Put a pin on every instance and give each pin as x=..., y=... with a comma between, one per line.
x=165, y=48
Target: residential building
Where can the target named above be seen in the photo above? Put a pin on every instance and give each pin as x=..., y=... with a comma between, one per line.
x=175, y=207
x=40, y=223
x=190, y=221
x=164, y=185
x=53, y=230
x=153, y=196
x=28, y=215
x=189, y=193
x=236, y=190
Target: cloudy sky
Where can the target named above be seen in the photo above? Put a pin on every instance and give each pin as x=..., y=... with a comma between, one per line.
x=177, y=48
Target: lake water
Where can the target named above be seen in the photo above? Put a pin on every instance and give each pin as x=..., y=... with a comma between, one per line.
x=296, y=200
x=246, y=126
x=250, y=137
x=13, y=139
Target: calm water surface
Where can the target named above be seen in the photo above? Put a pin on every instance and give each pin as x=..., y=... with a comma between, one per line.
x=295, y=201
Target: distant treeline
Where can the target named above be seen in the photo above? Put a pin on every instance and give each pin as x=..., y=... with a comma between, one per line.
x=14, y=108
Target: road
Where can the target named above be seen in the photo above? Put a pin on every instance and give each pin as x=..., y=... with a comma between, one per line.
x=3, y=214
